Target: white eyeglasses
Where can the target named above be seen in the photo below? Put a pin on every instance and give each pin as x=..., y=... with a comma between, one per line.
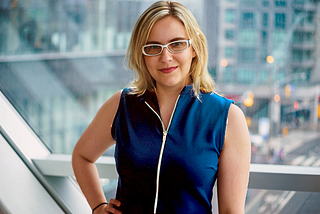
x=173, y=47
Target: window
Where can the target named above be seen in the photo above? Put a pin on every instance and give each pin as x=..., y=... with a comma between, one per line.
x=246, y=75
x=230, y=16
x=229, y=34
x=246, y=55
x=280, y=3
x=298, y=1
x=263, y=76
x=248, y=38
x=304, y=17
x=310, y=17
x=299, y=55
x=264, y=37
x=263, y=55
x=300, y=37
x=265, y=3
x=280, y=20
x=265, y=20
x=213, y=71
x=61, y=60
x=249, y=3
x=302, y=75
x=228, y=74
x=228, y=51
x=248, y=20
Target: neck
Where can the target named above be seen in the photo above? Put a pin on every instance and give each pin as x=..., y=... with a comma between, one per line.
x=167, y=95
x=166, y=100
x=170, y=93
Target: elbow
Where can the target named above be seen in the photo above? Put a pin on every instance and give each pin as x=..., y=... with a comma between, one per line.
x=74, y=159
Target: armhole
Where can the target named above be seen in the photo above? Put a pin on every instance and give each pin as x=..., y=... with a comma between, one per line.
x=226, y=124
x=113, y=131
x=225, y=131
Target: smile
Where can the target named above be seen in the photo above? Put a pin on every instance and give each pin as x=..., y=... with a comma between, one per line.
x=168, y=70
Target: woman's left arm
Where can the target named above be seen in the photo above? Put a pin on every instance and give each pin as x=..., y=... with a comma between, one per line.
x=234, y=164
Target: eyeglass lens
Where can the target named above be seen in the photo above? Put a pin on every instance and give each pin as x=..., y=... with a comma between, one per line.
x=173, y=47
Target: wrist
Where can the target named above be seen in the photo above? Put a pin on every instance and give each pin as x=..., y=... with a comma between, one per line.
x=99, y=208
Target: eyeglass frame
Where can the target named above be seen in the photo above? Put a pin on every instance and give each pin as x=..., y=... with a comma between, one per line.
x=166, y=46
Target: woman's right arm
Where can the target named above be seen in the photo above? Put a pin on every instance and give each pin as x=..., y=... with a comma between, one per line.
x=94, y=141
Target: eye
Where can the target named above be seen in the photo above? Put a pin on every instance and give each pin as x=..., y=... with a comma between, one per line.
x=175, y=44
x=154, y=47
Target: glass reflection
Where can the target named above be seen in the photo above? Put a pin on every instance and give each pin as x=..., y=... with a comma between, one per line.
x=60, y=60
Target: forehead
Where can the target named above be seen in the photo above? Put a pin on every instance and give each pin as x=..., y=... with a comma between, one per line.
x=167, y=29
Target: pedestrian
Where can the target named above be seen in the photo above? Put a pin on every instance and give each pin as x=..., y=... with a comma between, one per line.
x=174, y=135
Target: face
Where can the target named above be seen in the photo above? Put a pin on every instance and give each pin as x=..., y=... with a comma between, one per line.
x=169, y=70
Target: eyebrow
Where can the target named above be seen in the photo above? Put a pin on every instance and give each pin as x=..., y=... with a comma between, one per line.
x=172, y=40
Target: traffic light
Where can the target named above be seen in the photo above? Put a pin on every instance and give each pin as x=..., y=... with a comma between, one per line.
x=248, y=100
x=287, y=90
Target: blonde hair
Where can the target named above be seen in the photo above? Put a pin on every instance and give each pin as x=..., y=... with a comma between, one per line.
x=198, y=70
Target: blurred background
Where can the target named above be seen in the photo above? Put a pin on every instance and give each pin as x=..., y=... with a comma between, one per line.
x=60, y=60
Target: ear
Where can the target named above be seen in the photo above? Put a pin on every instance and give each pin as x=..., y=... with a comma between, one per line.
x=194, y=54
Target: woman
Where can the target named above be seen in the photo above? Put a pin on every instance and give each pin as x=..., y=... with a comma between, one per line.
x=170, y=128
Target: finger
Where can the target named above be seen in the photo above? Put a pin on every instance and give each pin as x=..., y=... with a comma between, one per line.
x=114, y=202
x=111, y=209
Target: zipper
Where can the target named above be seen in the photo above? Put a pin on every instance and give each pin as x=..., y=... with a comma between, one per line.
x=164, y=138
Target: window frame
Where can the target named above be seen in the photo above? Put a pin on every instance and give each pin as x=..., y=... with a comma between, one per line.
x=28, y=147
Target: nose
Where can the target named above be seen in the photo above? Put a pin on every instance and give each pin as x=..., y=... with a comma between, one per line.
x=166, y=55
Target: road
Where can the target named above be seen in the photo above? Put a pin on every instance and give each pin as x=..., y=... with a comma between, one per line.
x=300, y=148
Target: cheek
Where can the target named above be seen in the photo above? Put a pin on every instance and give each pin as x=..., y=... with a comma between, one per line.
x=187, y=59
x=150, y=65
x=148, y=62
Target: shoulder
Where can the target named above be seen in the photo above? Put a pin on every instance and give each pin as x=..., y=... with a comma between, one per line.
x=111, y=105
x=237, y=125
x=236, y=115
x=215, y=100
x=220, y=98
x=215, y=97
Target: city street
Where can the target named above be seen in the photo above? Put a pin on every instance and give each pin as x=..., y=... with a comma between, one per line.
x=300, y=147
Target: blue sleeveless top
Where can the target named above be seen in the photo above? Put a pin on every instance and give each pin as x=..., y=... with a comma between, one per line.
x=190, y=158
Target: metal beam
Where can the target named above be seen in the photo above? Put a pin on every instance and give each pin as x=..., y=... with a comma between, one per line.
x=262, y=176
x=284, y=177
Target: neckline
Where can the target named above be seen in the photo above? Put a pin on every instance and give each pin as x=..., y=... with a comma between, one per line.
x=188, y=89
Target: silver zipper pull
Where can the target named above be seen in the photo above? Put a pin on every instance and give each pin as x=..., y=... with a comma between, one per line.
x=165, y=134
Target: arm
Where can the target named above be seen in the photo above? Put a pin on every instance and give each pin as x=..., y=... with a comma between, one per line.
x=94, y=141
x=234, y=164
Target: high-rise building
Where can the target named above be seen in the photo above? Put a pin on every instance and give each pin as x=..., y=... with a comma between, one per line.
x=286, y=31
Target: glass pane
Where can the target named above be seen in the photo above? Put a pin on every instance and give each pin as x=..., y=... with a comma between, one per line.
x=61, y=60
x=281, y=202
x=230, y=16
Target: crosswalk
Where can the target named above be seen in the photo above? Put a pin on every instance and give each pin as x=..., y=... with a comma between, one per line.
x=273, y=202
x=303, y=160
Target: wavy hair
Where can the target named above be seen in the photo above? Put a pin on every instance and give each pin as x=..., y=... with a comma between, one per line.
x=198, y=70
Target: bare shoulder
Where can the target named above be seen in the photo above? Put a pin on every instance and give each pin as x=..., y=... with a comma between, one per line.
x=111, y=105
x=235, y=113
x=237, y=125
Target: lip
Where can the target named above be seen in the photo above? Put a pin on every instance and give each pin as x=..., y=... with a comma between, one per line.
x=168, y=70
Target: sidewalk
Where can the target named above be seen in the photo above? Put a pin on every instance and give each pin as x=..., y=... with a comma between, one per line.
x=277, y=145
x=293, y=140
